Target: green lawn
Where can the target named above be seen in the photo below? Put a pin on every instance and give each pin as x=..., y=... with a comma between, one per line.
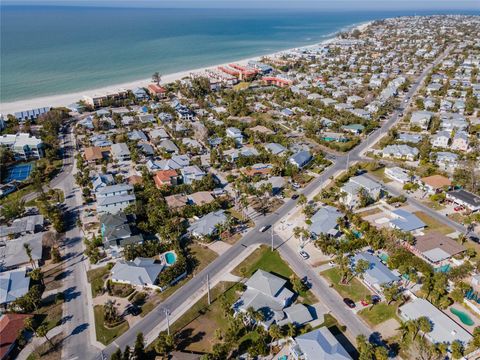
x=96, y=277
x=263, y=258
x=380, y=173
x=432, y=224
x=107, y=335
x=353, y=290
x=49, y=313
x=201, y=320
x=379, y=313
x=202, y=254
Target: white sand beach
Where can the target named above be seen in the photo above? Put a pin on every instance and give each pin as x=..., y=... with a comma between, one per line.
x=67, y=99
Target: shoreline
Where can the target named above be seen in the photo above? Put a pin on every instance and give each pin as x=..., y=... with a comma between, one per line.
x=67, y=99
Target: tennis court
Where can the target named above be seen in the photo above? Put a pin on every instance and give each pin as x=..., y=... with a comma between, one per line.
x=19, y=172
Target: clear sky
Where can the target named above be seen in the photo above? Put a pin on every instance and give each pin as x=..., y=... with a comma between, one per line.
x=321, y=4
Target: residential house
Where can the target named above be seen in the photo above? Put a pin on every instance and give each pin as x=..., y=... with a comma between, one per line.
x=436, y=247
x=207, y=225
x=446, y=160
x=441, y=139
x=325, y=222
x=460, y=141
x=435, y=183
x=176, y=201
x=115, y=198
x=166, y=178
x=268, y=294
x=32, y=114
x=13, y=255
x=11, y=325
x=168, y=146
x=235, y=134
x=398, y=174
x=405, y=221
x=120, y=152
x=116, y=230
x=13, y=284
x=23, y=145
x=377, y=274
x=157, y=90
x=191, y=174
x=444, y=329
x=353, y=190
x=421, y=119
x=26, y=225
x=96, y=153
x=404, y=152
x=176, y=162
x=139, y=272
x=275, y=149
x=319, y=344
x=300, y=159
x=102, y=180
x=465, y=198
x=140, y=94
x=409, y=138
x=200, y=198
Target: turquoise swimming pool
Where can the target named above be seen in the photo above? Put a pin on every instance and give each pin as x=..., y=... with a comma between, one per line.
x=464, y=317
x=170, y=258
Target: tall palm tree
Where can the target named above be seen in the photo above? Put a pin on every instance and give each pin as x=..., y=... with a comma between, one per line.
x=156, y=77
x=28, y=250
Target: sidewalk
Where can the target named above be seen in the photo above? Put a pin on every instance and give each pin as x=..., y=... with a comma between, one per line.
x=37, y=341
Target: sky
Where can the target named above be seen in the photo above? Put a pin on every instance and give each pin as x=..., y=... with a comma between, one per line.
x=320, y=4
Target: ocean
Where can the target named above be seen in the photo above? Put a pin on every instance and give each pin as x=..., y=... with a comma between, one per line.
x=50, y=50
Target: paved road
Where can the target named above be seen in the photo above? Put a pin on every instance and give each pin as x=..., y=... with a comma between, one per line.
x=353, y=324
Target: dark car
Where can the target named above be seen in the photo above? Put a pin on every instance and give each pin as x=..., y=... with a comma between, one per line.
x=474, y=238
x=349, y=302
x=295, y=196
x=133, y=310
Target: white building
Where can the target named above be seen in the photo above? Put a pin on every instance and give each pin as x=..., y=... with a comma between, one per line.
x=23, y=145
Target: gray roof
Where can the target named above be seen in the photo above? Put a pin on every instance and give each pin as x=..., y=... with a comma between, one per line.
x=206, y=225
x=120, y=149
x=275, y=148
x=266, y=283
x=406, y=221
x=377, y=272
x=301, y=158
x=24, y=224
x=325, y=221
x=298, y=314
x=445, y=330
x=168, y=145
x=12, y=252
x=320, y=344
x=109, y=200
x=106, y=190
x=141, y=271
x=13, y=284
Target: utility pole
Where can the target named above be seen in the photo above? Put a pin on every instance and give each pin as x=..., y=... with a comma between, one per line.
x=208, y=289
x=167, y=314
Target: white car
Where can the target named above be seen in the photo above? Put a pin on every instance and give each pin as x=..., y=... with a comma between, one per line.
x=264, y=228
x=304, y=254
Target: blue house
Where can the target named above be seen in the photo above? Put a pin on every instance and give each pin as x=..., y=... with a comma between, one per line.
x=300, y=159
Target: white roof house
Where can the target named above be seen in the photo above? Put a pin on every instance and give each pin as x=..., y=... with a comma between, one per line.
x=318, y=344
x=23, y=145
x=444, y=329
x=140, y=272
x=400, y=152
x=397, y=174
x=421, y=119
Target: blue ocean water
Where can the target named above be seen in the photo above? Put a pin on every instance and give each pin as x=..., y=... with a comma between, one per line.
x=47, y=50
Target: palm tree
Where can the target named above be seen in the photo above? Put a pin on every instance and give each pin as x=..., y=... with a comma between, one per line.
x=42, y=331
x=156, y=77
x=28, y=250
x=425, y=325
x=79, y=224
x=37, y=275
x=275, y=332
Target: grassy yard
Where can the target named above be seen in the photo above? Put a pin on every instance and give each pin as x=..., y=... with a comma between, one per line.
x=353, y=290
x=50, y=313
x=369, y=212
x=263, y=258
x=54, y=276
x=46, y=352
x=96, y=277
x=379, y=313
x=107, y=335
x=432, y=224
x=380, y=173
x=202, y=254
x=196, y=328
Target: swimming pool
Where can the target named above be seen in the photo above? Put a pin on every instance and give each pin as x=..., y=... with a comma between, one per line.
x=464, y=317
x=170, y=258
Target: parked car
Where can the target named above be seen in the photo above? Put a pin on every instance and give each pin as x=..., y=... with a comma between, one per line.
x=265, y=228
x=364, y=302
x=349, y=302
x=295, y=196
x=304, y=254
x=331, y=263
